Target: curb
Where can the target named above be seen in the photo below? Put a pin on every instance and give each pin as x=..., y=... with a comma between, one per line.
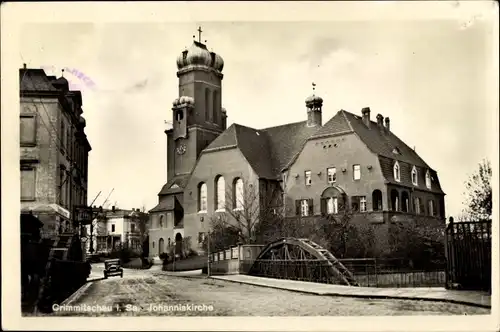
x=76, y=295
x=365, y=296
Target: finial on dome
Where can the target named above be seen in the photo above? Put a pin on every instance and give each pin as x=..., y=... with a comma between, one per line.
x=314, y=87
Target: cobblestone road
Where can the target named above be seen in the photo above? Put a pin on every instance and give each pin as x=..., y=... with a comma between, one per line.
x=139, y=290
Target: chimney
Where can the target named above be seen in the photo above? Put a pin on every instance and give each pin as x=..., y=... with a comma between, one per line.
x=366, y=116
x=24, y=66
x=380, y=121
x=388, y=124
x=113, y=208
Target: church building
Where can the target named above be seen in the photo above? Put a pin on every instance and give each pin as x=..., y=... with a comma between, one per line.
x=317, y=168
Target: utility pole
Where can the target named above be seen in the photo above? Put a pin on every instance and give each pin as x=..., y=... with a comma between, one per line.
x=103, y=204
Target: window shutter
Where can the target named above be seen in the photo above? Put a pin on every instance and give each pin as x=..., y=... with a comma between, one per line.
x=297, y=207
x=323, y=206
x=311, y=207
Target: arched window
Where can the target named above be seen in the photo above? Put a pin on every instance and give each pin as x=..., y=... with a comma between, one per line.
x=414, y=176
x=169, y=243
x=238, y=194
x=161, y=221
x=161, y=248
x=377, y=200
x=202, y=197
x=405, y=200
x=220, y=195
x=428, y=179
x=208, y=104
x=432, y=210
x=215, y=115
x=397, y=172
x=416, y=205
x=394, y=200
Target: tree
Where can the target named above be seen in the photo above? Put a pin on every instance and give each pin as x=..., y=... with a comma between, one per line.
x=246, y=205
x=478, y=199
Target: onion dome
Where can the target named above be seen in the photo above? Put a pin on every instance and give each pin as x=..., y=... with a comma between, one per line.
x=199, y=55
x=218, y=62
x=314, y=100
x=184, y=100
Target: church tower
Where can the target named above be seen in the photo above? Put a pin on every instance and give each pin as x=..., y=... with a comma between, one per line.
x=198, y=116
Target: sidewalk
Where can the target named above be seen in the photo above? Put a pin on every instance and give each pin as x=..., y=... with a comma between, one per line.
x=475, y=298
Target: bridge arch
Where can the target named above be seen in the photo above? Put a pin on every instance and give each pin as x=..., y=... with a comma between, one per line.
x=300, y=259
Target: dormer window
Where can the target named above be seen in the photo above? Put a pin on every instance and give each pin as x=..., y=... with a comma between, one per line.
x=397, y=172
x=396, y=151
x=414, y=176
x=428, y=180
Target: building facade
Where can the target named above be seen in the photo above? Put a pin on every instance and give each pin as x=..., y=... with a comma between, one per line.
x=54, y=150
x=115, y=229
x=303, y=169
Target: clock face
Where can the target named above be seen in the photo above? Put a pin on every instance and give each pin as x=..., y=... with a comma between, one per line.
x=181, y=149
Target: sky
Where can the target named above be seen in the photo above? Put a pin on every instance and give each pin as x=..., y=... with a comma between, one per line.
x=431, y=76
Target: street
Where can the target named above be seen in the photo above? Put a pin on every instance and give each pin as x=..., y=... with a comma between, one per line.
x=152, y=293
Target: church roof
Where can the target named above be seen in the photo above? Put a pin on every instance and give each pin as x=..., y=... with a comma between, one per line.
x=175, y=185
x=267, y=150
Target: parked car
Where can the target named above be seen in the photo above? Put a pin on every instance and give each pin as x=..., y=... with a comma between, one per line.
x=113, y=267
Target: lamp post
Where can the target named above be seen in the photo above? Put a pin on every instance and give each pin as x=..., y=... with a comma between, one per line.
x=208, y=256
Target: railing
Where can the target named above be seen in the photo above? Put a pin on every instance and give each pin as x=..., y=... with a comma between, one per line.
x=368, y=272
x=468, y=250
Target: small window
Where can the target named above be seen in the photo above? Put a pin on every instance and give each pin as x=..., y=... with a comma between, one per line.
x=428, y=180
x=153, y=244
x=161, y=221
x=304, y=208
x=362, y=204
x=201, y=237
x=416, y=205
x=332, y=205
x=332, y=174
x=356, y=172
x=28, y=184
x=397, y=175
x=414, y=176
x=179, y=115
x=112, y=227
x=308, y=178
x=432, y=210
x=28, y=129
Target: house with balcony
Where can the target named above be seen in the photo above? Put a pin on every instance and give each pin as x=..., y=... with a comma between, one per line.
x=115, y=228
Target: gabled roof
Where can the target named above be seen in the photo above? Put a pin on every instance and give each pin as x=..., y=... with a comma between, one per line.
x=382, y=142
x=379, y=140
x=267, y=150
x=35, y=80
x=175, y=185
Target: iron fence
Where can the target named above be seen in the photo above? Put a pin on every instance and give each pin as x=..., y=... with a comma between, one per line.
x=368, y=272
x=468, y=250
